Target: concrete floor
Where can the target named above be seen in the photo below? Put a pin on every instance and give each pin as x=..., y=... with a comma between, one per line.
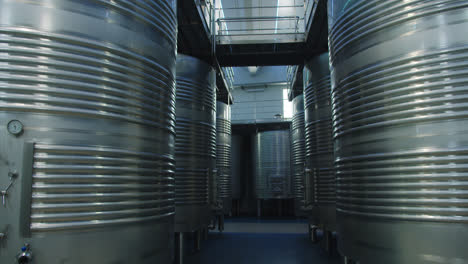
x=261, y=241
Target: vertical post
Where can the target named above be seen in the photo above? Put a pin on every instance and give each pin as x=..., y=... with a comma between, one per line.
x=259, y=208
x=221, y=222
x=328, y=237
x=180, y=248
x=213, y=30
x=347, y=260
x=280, y=207
x=296, y=27
x=307, y=183
x=313, y=233
x=198, y=239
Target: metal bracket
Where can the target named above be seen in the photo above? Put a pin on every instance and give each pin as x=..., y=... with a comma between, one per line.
x=4, y=234
x=13, y=175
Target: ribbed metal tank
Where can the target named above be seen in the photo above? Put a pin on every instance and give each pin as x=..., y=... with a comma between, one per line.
x=400, y=90
x=272, y=165
x=237, y=142
x=298, y=153
x=320, y=179
x=223, y=155
x=195, y=146
x=87, y=117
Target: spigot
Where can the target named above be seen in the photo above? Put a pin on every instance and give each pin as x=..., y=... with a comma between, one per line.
x=25, y=256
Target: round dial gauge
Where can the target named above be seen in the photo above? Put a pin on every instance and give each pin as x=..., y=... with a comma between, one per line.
x=15, y=127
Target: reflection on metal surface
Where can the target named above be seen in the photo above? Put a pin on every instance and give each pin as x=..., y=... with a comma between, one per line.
x=298, y=150
x=272, y=165
x=399, y=104
x=318, y=131
x=75, y=187
x=195, y=147
x=320, y=181
x=93, y=86
x=223, y=154
x=237, y=164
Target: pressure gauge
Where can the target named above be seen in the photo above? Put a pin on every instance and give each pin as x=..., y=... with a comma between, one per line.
x=15, y=127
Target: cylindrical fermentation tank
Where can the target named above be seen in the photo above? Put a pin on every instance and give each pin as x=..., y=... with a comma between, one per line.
x=223, y=155
x=236, y=165
x=298, y=153
x=87, y=118
x=195, y=145
x=272, y=165
x=400, y=90
x=320, y=176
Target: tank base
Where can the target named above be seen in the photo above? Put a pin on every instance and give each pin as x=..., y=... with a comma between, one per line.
x=191, y=218
x=372, y=240
x=347, y=260
x=324, y=216
x=221, y=222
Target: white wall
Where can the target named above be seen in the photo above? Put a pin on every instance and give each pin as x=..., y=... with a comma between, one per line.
x=257, y=103
x=264, y=74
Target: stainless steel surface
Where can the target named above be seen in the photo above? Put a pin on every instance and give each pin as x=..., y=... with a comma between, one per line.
x=223, y=155
x=399, y=71
x=272, y=165
x=320, y=187
x=298, y=153
x=236, y=165
x=195, y=147
x=92, y=83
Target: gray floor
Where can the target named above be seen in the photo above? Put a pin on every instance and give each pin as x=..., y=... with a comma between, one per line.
x=266, y=226
x=261, y=241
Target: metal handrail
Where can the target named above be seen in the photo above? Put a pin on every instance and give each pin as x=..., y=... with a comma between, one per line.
x=261, y=34
x=229, y=74
x=209, y=6
x=219, y=23
x=260, y=18
x=290, y=73
x=257, y=29
x=259, y=7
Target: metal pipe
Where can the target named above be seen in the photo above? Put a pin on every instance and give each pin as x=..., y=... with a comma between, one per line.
x=313, y=233
x=180, y=249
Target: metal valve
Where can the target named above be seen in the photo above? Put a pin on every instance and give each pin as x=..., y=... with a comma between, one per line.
x=25, y=256
x=13, y=175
